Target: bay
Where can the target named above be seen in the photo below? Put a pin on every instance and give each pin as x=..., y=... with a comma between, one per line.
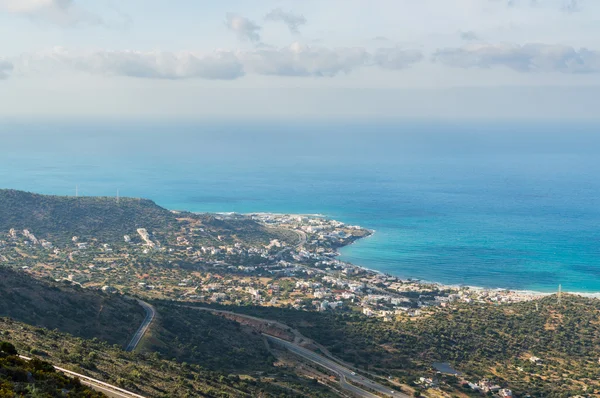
x=492, y=204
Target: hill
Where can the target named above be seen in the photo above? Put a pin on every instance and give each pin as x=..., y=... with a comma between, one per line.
x=36, y=378
x=541, y=348
x=69, y=308
x=150, y=374
x=208, y=340
x=59, y=218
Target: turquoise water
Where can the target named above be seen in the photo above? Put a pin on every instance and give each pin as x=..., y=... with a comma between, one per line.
x=511, y=205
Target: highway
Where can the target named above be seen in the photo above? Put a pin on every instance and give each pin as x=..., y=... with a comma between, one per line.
x=150, y=315
x=344, y=373
x=100, y=386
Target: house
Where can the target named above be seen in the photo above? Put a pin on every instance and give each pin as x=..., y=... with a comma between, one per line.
x=109, y=289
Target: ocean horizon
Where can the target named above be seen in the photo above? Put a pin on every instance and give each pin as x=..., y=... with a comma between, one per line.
x=512, y=205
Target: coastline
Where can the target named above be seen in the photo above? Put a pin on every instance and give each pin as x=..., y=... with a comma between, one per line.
x=532, y=294
x=527, y=294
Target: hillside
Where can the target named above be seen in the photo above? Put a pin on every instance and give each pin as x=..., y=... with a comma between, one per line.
x=36, y=378
x=483, y=341
x=59, y=218
x=150, y=374
x=208, y=340
x=82, y=312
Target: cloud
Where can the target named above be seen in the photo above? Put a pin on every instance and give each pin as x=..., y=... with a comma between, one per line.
x=303, y=60
x=396, y=58
x=380, y=39
x=297, y=60
x=219, y=65
x=469, y=36
x=244, y=28
x=564, y=5
x=60, y=12
x=527, y=58
x=30, y=6
x=572, y=6
x=5, y=69
x=293, y=21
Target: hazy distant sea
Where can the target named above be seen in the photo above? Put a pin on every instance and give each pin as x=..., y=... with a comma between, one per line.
x=511, y=205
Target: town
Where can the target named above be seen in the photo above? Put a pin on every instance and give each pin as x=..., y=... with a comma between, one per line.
x=300, y=271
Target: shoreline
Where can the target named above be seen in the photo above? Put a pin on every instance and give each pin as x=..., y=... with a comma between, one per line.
x=533, y=293
x=443, y=286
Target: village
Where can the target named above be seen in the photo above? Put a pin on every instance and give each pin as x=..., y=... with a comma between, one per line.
x=304, y=274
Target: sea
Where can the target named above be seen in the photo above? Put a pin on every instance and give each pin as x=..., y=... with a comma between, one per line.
x=495, y=204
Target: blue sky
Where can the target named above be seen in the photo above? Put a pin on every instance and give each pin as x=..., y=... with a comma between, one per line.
x=300, y=58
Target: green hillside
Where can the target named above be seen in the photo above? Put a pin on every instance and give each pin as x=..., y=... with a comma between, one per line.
x=150, y=375
x=104, y=219
x=82, y=312
x=59, y=218
x=36, y=378
x=483, y=341
x=208, y=340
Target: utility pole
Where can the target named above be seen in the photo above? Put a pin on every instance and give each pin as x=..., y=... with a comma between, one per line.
x=117, y=196
x=76, y=191
x=559, y=293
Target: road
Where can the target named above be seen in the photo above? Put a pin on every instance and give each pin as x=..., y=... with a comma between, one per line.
x=150, y=315
x=297, y=336
x=100, y=386
x=299, y=339
x=105, y=388
x=301, y=242
x=345, y=374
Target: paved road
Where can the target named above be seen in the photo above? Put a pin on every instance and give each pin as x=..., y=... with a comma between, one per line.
x=301, y=242
x=297, y=336
x=346, y=375
x=150, y=315
x=336, y=367
x=105, y=388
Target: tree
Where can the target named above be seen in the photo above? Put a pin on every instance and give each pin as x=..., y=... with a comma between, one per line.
x=8, y=348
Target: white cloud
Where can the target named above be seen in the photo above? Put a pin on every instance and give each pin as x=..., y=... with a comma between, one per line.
x=296, y=60
x=30, y=6
x=396, y=58
x=60, y=12
x=244, y=28
x=219, y=65
x=525, y=58
x=303, y=60
x=5, y=69
x=293, y=21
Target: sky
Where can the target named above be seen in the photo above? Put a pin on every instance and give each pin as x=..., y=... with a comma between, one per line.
x=182, y=59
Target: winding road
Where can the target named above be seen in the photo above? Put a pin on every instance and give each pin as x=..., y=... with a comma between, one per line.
x=150, y=315
x=346, y=375
x=301, y=242
x=348, y=378
x=105, y=388
x=100, y=386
